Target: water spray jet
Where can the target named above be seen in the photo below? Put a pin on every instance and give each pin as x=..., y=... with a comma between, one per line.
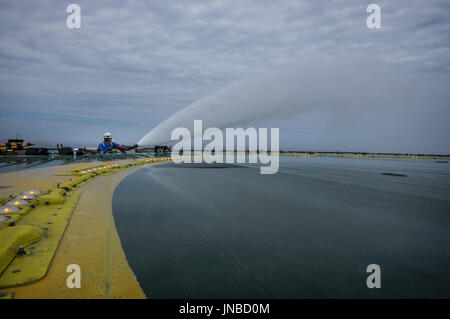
x=347, y=85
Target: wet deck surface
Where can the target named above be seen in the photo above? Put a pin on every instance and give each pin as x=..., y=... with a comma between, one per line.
x=307, y=232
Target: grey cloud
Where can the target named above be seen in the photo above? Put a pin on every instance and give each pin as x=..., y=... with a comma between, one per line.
x=141, y=61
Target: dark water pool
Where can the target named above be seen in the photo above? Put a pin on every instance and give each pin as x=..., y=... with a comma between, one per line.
x=309, y=231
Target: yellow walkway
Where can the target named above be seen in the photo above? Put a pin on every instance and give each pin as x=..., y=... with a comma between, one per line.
x=90, y=241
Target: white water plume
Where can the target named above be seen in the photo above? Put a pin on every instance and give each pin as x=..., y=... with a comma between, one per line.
x=346, y=85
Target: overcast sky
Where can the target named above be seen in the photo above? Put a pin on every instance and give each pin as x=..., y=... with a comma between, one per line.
x=132, y=64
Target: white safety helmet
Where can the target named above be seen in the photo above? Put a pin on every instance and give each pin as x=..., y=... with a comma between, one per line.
x=108, y=135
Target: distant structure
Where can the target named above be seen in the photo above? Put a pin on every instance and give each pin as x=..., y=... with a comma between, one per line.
x=68, y=150
x=158, y=149
x=62, y=150
x=162, y=149
x=20, y=147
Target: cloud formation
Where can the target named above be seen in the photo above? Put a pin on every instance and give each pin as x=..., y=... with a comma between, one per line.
x=135, y=63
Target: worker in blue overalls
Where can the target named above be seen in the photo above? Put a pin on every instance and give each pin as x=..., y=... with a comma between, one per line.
x=107, y=145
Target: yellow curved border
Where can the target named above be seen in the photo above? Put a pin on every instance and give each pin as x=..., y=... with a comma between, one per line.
x=90, y=241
